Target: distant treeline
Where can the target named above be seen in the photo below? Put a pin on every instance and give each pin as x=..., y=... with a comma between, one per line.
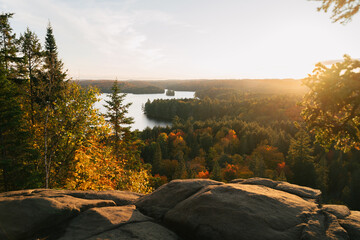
x=136, y=87
x=263, y=86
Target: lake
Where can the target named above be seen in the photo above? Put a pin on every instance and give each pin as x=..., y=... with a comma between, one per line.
x=141, y=121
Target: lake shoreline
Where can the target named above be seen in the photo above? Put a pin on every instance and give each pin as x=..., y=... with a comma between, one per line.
x=141, y=121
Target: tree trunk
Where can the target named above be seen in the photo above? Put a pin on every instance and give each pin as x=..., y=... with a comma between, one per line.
x=46, y=160
x=31, y=95
x=4, y=168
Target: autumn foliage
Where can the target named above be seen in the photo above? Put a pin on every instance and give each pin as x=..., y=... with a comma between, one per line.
x=203, y=174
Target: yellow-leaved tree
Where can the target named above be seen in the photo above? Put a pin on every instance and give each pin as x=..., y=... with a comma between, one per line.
x=108, y=158
x=95, y=168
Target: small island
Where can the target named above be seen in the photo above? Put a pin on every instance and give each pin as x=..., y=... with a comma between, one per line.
x=170, y=92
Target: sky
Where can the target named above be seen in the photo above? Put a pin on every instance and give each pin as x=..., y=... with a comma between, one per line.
x=187, y=39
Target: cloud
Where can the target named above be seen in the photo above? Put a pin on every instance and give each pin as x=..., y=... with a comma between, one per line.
x=109, y=32
x=113, y=31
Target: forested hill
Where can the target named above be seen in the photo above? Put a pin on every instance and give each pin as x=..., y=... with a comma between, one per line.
x=246, y=85
x=136, y=87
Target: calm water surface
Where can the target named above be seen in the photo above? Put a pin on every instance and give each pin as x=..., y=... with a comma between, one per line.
x=138, y=101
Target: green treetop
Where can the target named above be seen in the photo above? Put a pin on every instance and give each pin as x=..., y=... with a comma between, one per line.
x=8, y=48
x=52, y=75
x=301, y=160
x=116, y=116
x=32, y=60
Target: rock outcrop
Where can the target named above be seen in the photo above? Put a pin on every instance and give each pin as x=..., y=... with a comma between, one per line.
x=62, y=214
x=253, y=208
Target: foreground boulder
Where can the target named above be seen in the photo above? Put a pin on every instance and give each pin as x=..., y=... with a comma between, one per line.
x=352, y=224
x=62, y=214
x=123, y=222
x=254, y=208
x=169, y=195
x=235, y=211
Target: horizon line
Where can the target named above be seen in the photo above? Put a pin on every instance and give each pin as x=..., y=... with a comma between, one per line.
x=182, y=79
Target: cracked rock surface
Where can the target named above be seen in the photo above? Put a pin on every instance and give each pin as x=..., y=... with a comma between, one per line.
x=254, y=208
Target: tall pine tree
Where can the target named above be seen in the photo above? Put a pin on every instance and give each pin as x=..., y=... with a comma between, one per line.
x=32, y=60
x=120, y=123
x=52, y=76
x=8, y=50
x=49, y=91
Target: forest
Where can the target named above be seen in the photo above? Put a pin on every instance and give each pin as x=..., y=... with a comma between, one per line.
x=225, y=136
x=51, y=136
x=305, y=132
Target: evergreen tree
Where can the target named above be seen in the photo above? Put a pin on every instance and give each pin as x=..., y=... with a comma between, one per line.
x=52, y=76
x=257, y=165
x=206, y=141
x=162, y=140
x=49, y=92
x=300, y=147
x=301, y=160
x=116, y=116
x=244, y=147
x=181, y=170
x=8, y=48
x=216, y=172
x=156, y=166
x=32, y=60
x=16, y=155
x=210, y=158
x=322, y=171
